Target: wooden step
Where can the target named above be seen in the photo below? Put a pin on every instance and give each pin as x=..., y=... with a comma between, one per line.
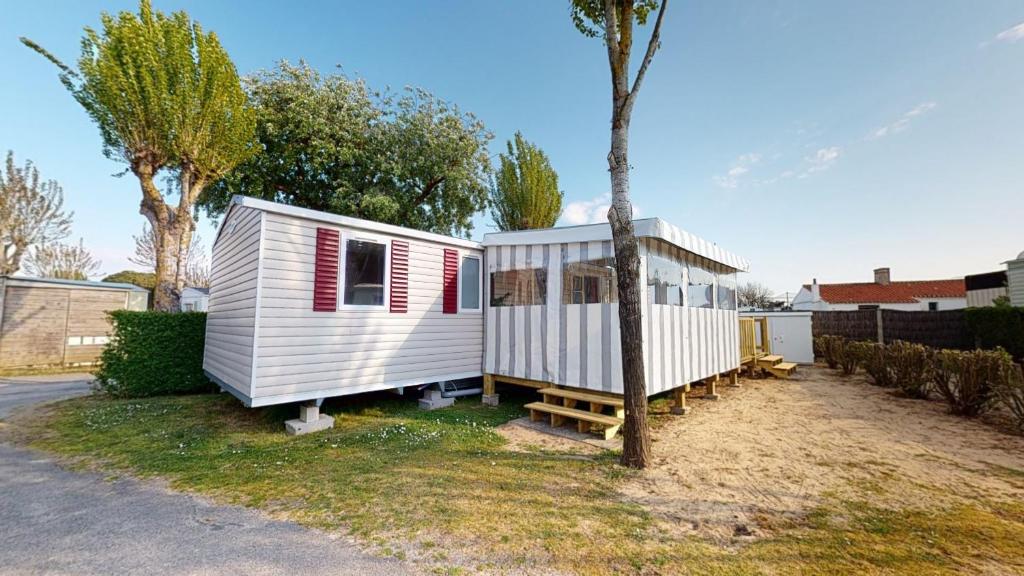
x=611, y=424
x=615, y=401
x=768, y=361
x=783, y=369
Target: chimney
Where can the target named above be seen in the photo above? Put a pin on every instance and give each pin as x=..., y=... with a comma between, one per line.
x=815, y=291
x=882, y=276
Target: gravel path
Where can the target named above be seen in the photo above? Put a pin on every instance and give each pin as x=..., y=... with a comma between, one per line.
x=59, y=522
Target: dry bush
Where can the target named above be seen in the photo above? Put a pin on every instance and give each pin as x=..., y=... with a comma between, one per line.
x=911, y=367
x=875, y=363
x=1010, y=391
x=975, y=376
x=851, y=355
x=831, y=349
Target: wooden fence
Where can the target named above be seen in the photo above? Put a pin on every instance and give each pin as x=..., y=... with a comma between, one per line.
x=938, y=329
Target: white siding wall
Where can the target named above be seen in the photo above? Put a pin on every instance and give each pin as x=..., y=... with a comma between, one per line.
x=984, y=296
x=1015, y=281
x=231, y=318
x=305, y=354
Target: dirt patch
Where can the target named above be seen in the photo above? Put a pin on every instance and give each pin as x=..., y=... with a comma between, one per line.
x=526, y=436
x=771, y=450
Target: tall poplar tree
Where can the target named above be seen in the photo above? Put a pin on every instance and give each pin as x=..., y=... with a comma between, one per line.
x=525, y=193
x=612, y=20
x=166, y=97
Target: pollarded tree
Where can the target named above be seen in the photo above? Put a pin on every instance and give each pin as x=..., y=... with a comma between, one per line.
x=31, y=213
x=330, y=143
x=165, y=96
x=64, y=261
x=612, y=21
x=525, y=193
x=197, y=267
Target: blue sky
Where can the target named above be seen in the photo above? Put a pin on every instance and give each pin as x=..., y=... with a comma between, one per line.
x=817, y=139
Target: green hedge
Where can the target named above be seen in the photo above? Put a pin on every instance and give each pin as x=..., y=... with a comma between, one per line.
x=154, y=353
x=998, y=327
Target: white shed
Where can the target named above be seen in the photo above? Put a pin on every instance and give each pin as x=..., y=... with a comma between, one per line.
x=552, y=315
x=195, y=299
x=306, y=305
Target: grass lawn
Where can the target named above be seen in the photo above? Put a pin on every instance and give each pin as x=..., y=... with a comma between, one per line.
x=440, y=488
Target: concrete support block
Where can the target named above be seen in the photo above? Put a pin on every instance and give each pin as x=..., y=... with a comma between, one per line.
x=309, y=413
x=490, y=399
x=298, y=427
x=432, y=400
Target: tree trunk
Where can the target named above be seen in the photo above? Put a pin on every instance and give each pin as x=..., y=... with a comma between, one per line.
x=172, y=234
x=636, y=446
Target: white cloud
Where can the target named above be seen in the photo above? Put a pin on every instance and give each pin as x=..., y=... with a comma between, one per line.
x=903, y=122
x=821, y=160
x=739, y=167
x=1011, y=35
x=593, y=211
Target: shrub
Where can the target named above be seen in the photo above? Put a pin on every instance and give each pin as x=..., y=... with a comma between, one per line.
x=876, y=364
x=154, y=353
x=976, y=375
x=999, y=326
x=830, y=347
x=1010, y=391
x=945, y=364
x=910, y=365
x=851, y=355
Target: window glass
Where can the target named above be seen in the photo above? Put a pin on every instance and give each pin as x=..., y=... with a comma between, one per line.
x=701, y=287
x=727, y=291
x=664, y=280
x=590, y=282
x=470, y=281
x=526, y=287
x=364, y=273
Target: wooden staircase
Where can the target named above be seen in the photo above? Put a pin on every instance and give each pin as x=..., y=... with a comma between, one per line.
x=755, y=350
x=775, y=365
x=561, y=404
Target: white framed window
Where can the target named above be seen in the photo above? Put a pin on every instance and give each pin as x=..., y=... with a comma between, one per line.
x=470, y=283
x=364, y=271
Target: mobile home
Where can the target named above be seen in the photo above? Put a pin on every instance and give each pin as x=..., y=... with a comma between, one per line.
x=552, y=315
x=306, y=305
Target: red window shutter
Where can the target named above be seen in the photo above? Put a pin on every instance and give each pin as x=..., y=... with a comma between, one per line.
x=399, y=276
x=451, y=281
x=325, y=276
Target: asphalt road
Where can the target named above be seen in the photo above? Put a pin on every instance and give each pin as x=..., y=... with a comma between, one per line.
x=53, y=521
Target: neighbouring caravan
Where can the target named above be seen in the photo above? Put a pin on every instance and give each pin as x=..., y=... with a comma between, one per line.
x=306, y=305
x=552, y=314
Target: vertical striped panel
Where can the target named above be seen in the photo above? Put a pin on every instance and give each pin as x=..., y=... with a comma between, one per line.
x=595, y=376
x=399, y=277
x=491, y=335
x=325, y=273
x=450, y=294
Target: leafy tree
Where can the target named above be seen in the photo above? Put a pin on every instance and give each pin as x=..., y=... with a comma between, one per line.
x=612, y=20
x=756, y=295
x=64, y=261
x=197, y=267
x=145, y=280
x=330, y=143
x=31, y=213
x=165, y=97
x=525, y=194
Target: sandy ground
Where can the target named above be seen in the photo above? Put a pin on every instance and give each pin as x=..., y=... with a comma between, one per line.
x=773, y=448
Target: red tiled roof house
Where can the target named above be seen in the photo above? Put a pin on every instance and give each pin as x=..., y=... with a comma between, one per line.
x=948, y=294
